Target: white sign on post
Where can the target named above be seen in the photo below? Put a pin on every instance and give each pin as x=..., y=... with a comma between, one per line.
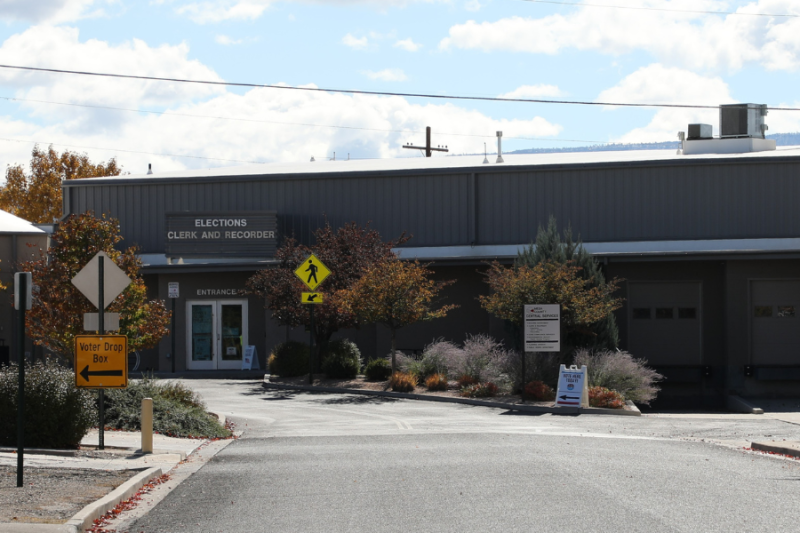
x=572, y=388
x=114, y=280
x=543, y=328
x=174, y=289
x=250, y=359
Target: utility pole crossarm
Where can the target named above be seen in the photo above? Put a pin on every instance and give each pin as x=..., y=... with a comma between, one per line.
x=428, y=148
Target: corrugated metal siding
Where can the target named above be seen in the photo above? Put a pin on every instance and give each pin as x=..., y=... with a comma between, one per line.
x=657, y=201
x=432, y=208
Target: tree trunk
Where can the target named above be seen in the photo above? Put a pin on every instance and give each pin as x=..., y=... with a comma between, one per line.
x=394, y=344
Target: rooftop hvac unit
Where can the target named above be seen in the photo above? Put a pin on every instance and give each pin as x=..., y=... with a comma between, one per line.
x=699, y=131
x=742, y=120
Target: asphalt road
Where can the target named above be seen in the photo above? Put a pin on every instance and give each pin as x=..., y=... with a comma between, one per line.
x=330, y=463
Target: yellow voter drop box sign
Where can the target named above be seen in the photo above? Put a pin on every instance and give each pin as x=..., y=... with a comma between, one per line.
x=101, y=361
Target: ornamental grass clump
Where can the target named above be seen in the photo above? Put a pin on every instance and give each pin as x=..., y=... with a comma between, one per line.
x=619, y=371
x=57, y=414
x=177, y=410
x=603, y=397
x=378, y=370
x=403, y=382
x=539, y=391
x=480, y=390
x=436, y=382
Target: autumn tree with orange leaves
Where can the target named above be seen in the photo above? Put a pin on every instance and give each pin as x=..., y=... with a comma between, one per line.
x=396, y=294
x=582, y=302
x=58, y=307
x=36, y=196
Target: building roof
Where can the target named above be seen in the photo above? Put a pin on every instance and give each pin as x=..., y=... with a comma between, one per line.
x=420, y=164
x=10, y=224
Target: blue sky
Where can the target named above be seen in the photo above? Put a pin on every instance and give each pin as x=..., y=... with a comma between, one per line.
x=669, y=53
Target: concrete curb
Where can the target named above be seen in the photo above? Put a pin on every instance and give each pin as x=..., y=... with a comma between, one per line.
x=468, y=401
x=86, y=516
x=740, y=405
x=794, y=451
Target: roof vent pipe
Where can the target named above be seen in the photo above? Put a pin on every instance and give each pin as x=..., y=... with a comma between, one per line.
x=499, y=147
x=149, y=168
x=312, y=159
x=485, y=158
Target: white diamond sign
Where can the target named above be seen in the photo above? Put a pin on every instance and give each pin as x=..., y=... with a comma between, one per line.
x=114, y=280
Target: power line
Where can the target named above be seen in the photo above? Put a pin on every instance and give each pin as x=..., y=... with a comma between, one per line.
x=371, y=93
x=641, y=8
x=304, y=124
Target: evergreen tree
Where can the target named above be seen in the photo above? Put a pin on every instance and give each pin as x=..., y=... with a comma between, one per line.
x=549, y=246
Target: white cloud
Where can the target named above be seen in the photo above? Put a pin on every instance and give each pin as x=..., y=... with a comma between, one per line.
x=49, y=11
x=663, y=85
x=388, y=74
x=533, y=91
x=473, y=5
x=408, y=45
x=217, y=11
x=353, y=42
x=226, y=41
x=690, y=40
x=784, y=121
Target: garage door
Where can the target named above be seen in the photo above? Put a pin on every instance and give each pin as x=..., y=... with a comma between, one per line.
x=775, y=325
x=665, y=322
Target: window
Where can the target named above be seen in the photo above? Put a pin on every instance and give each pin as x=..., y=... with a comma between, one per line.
x=664, y=312
x=687, y=312
x=763, y=311
x=641, y=313
x=785, y=311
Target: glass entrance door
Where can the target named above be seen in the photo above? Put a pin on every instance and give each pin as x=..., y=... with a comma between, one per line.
x=216, y=334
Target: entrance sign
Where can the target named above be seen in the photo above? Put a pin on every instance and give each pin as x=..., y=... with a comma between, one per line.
x=101, y=361
x=250, y=359
x=114, y=280
x=311, y=297
x=312, y=272
x=543, y=328
x=174, y=289
x=572, y=387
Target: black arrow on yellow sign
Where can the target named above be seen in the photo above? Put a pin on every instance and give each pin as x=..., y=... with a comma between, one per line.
x=85, y=373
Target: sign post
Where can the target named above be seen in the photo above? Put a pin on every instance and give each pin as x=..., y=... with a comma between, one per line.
x=542, y=325
x=174, y=294
x=22, y=301
x=312, y=272
x=111, y=281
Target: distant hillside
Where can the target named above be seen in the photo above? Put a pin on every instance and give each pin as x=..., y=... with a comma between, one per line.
x=782, y=139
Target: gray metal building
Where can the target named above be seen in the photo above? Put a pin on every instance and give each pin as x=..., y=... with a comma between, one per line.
x=708, y=245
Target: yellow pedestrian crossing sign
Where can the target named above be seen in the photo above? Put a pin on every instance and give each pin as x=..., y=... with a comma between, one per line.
x=312, y=272
x=311, y=297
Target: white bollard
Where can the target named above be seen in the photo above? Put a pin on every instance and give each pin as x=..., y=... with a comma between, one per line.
x=147, y=425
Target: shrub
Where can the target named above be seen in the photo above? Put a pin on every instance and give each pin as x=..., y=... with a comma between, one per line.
x=57, y=414
x=441, y=357
x=177, y=410
x=343, y=360
x=538, y=390
x=378, y=370
x=289, y=359
x=436, y=382
x=403, y=382
x=480, y=390
x=619, y=371
x=602, y=397
x=465, y=380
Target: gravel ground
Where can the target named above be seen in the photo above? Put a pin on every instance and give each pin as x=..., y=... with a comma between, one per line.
x=53, y=495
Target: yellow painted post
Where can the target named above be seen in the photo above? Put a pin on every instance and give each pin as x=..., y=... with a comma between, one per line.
x=147, y=425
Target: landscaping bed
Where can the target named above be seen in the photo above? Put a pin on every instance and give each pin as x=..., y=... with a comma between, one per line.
x=361, y=385
x=54, y=495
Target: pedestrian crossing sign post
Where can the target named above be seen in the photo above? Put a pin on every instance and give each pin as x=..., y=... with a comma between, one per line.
x=311, y=297
x=312, y=272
